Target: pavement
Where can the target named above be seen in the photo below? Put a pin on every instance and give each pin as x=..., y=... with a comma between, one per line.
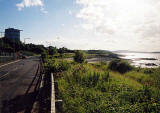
x=18, y=82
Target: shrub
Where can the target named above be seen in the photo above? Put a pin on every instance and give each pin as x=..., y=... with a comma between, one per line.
x=79, y=57
x=148, y=71
x=44, y=56
x=52, y=50
x=113, y=64
x=120, y=66
x=55, y=66
x=156, y=77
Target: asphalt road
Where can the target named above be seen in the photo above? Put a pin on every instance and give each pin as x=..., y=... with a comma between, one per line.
x=17, y=85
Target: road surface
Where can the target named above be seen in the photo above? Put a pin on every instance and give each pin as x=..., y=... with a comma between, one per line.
x=17, y=85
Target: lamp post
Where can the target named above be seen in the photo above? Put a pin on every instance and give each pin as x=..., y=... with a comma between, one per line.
x=25, y=42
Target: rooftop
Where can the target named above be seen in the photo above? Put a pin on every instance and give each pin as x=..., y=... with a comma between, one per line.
x=13, y=29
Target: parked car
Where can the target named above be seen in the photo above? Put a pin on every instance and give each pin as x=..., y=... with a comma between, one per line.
x=24, y=57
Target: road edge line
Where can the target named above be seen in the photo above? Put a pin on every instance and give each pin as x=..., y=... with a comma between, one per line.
x=4, y=75
x=9, y=63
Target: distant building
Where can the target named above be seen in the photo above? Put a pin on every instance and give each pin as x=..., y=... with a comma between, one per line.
x=13, y=34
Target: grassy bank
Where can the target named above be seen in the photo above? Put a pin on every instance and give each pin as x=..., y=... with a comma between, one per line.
x=97, y=88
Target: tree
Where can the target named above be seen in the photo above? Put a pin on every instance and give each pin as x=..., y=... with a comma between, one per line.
x=79, y=56
x=52, y=50
x=62, y=50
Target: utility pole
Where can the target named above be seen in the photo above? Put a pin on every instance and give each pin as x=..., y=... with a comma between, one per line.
x=25, y=42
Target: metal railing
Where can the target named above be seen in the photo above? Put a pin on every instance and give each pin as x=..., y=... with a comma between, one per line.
x=53, y=108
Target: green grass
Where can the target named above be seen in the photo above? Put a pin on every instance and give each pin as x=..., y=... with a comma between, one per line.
x=126, y=80
x=140, y=77
x=94, y=88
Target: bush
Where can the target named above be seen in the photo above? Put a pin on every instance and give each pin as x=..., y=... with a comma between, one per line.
x=120, y=66
x=44, y=56
x=79, y=57
x=148, y=71
x=55, y=66
x=52, y=50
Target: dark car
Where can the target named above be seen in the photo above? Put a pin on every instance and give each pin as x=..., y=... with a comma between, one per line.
x=24, y=57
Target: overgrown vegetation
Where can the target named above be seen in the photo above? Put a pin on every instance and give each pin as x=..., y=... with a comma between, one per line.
x=79, y=56
x=104, y=88
x=12, y=46
x=120, y=66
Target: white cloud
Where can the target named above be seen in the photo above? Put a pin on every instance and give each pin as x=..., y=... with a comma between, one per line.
x=130, y=20
x=29, y=3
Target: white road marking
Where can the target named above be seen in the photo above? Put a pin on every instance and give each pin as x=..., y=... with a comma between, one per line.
x=4, y=75
x=10, y=63
x=8, y=73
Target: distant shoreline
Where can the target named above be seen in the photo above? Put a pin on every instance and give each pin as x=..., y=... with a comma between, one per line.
x=102, y=58
x=141, y=59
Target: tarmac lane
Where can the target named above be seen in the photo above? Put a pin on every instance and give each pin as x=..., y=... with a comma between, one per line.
x=17, y=83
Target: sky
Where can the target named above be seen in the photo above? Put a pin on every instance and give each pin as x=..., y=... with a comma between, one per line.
x=86, y=24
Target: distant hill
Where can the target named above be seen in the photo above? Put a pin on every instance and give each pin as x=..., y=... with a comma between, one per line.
x=98, y=51
x=127, y=51
x=155, y=52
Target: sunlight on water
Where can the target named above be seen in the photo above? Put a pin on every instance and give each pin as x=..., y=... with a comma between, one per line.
x=142, y=59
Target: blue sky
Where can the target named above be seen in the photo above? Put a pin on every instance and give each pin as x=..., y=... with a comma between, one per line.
x=37, y=25
x=86, y=24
